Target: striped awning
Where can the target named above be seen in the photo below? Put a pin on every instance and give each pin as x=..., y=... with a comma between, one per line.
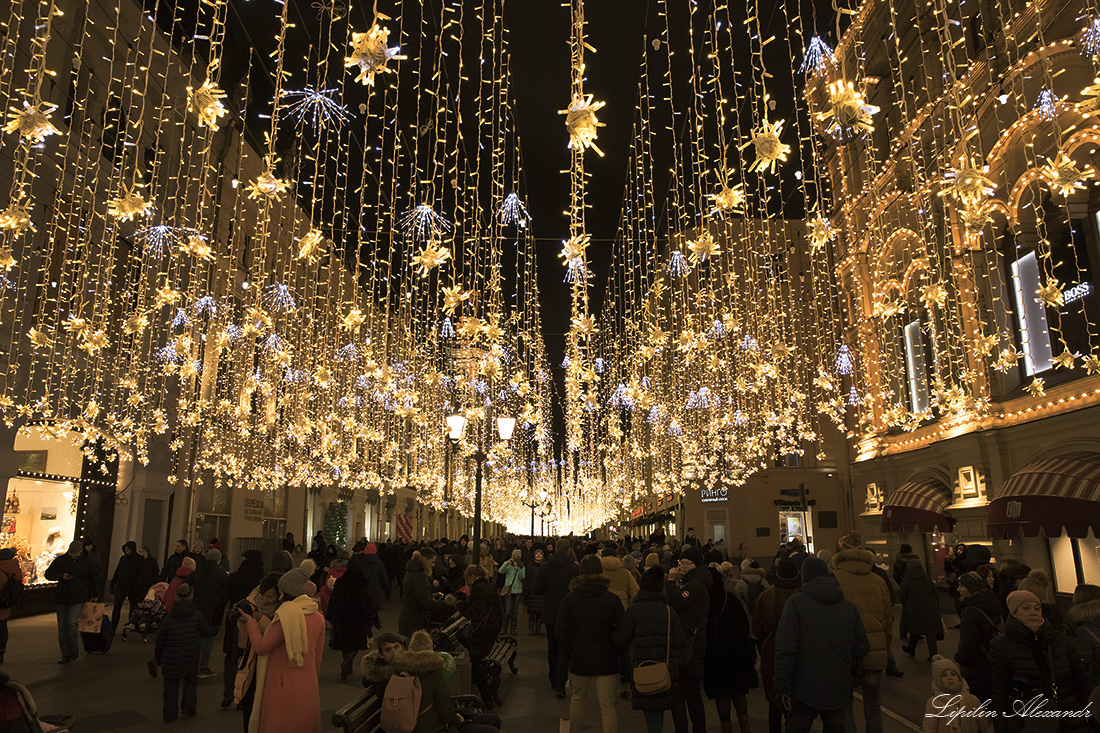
x=920, y=506
x=1051, y=494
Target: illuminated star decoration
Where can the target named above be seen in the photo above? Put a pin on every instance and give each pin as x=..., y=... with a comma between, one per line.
x=452, y=297
x=821, y=232
x=819, y=57
x=7, y=259
x=1090, y=102
x=267, y=186
x=1065, y=359
x=318, y=105
x=279, y=297
x=770, y=152
x=32, y=122
x=728, y=199
x=1047, y=105
x=370, y=53
x=848, y=114
x=197, y=245
x=424, y=223
x=310, y=244
x=934, y=293
x=158, y=239
x=206, y=101
x=968, y=184
x=1037, y=388
x=581, y=123
x=703, y=247
x=433, y=255
x=130, y=205
x=16, y=218
x=1063, y=175
x=354, y=320
x=512, y=211
x=1051, y=294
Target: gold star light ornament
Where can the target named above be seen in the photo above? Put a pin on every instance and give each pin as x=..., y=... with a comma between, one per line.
x=1064, y=177
x=310, y=245
x=452, y=298
x=130, y=205
x=770, y=151
x=702, y=247
x=848, y=113
x=968, y=184
x=206, y=102
x=581, y=123
x=433, y=255
x=821, y=232
x=370, y=53
x=16, y=218
x=266, y=186
x=32, y=122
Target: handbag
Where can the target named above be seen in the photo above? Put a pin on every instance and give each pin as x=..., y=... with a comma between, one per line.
x=653, y=678
x=91, y=618
x=506, y=590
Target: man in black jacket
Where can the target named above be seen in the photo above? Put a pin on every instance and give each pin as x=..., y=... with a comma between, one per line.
x=688, y=593
x=209, y=583
x=239, y=585
x=73, y=572
x=586, y=621
x=553, y=584
x=175, y=560
x=126, y=582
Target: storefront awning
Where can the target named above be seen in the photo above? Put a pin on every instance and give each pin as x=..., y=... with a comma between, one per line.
x=919, y=506
x=1051, y=495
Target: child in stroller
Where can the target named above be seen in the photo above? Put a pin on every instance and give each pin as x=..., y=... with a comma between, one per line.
x=19, y=714
x=147, y=616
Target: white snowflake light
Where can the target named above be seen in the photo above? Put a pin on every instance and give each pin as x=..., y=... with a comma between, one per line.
x=1047, y=105
x=1090, y=38
x=319, y=106
x=677, y=264
x=819, y=57
x=158, y=239
x=512, y=211
x=424, y=223
x=279, y=297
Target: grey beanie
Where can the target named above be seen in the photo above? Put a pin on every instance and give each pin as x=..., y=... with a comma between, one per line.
x=295, y=582
x=214, y=556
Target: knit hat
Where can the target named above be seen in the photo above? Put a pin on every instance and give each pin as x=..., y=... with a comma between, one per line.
x=653, y=579
x=608, y=552
x=786, y=573
x=370, y=549
x=637, y=555
x=591, y=565
x=1018, y=598
x=252, y=555
x=851, y=541
x=693, y=553
x=652, y=561
x=184, y=591
x=421, y=641
x=1038, y=582
x=76, y=546
x=189, y=563
x=517, y=555
x=813, y=567
x=295, y=582
x=941, y=664
x=973, y=582
x=214, y=556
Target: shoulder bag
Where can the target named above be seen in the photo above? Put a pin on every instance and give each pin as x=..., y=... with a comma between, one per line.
x=653, y=678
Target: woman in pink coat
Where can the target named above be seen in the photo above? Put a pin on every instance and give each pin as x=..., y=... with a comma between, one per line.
x=289, y=649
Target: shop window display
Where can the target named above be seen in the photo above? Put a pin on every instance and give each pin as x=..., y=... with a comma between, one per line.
x=39, y=522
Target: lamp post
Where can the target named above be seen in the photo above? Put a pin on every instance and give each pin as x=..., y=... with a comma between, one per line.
x=456, y=424
x=533, y=504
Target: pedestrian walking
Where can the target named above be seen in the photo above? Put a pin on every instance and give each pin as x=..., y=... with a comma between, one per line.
x=126, y=582
x=750, y=585
x=729, y=667
x=765, y=622
x=150, y=571
x=514, y=573
x=920, y=610
x=534, y=600
x=688, y=592
x=553, y=583
x=980, y=622
x=73, y=573
x=486, y=616
x=209, y=588
x=179, y=642
x=351, y=612
x=417, y=604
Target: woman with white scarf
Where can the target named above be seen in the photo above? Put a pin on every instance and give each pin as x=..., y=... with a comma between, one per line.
x=289, y=650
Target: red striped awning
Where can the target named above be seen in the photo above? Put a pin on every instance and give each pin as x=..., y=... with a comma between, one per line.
x=1051, y=494
x=919, y=505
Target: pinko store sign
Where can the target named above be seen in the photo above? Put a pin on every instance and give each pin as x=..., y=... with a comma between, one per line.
x=715, y=494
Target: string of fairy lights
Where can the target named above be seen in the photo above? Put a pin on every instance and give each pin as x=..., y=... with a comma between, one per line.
x=888, y=238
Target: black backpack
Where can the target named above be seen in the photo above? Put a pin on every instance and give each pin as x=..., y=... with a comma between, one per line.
x=11, y=592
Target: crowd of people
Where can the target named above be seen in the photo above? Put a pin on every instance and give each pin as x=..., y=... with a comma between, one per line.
x=661, y=622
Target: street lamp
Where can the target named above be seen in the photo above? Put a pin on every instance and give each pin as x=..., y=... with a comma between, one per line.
x=456, y=424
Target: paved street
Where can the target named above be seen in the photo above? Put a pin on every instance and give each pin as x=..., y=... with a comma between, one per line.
x=114, y=692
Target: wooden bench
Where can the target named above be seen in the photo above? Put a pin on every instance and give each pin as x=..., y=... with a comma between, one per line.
x=503, y=653
x=362, y=715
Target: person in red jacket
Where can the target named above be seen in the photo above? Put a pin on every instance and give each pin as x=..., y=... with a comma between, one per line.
x=182, y=574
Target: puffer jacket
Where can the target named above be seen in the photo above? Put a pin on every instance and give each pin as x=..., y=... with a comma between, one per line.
x=417, y=604
x=871, y=596
x=749, y=587
x=981, y=613
x=1084, y=619
x=483, y=610
x=920, y=609
x=553, y=583
x=534, y=599
x=690, y=599
x=587, y=619
x=622, y=580
x=645, y=631
x=1022, y=662
x=514, y=575
x=177, y=649
x=818, y=644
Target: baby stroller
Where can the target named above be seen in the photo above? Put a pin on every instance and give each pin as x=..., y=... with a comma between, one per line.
x=147, y=616
x=19, y=714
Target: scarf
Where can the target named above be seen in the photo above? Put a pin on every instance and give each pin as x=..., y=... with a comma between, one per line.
x=291, y=616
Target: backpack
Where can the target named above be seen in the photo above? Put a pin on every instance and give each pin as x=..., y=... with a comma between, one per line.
x=401, y=704
x=11, y=592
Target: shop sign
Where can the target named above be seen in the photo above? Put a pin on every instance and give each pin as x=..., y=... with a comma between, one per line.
x=715, y=494
x=247, y=519
x=788, y=492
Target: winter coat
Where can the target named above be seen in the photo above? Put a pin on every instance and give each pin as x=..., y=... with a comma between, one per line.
x=920, y=607
x=729, y=666
x=127, y=578
x=324, y=591
x=376, y=672
x=587, y=619
x=690, y=599
x=871, y=596
x=484, y=612
x=182, y=574
x=291, y=697
x=208, y=585
x=247, y=576
x=765, y=622
x=9, y=568
x=818, y=645
x=351, y=612
x=623, y=583
x=417, y=604
x=901, y=562
x=428, y=667
x=378, y=580
x=652, y=632
x=749, y=587
x=891, y=586
x=978, y=620
x=76, y=590
x=174, y=563
x=553, y=584
x=943, y=702
x=97, y=581
x=1084, y=618
x=1022, y=661
x=513, y=576
x=150, y=574
x=177, y=649
x=535, y=599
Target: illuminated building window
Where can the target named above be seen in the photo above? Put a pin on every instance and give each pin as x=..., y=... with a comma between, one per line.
x=1031, y=315
x=916, y=364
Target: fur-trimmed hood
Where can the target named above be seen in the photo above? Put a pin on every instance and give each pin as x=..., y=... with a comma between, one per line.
x=417, y=663
x=590, y=579
x=375, y=669
x=859, y=562
x=1084, y=613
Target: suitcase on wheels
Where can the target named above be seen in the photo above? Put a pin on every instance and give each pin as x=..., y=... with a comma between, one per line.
x=101, y=641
